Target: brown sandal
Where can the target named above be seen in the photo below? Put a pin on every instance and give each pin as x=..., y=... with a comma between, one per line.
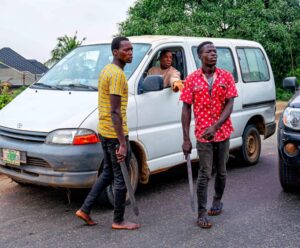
x=216, y=209
x=85, y=217
x=204, y=222
x=125, y=225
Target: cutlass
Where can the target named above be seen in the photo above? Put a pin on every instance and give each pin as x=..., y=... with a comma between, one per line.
x=129, y=187
x=190, y=177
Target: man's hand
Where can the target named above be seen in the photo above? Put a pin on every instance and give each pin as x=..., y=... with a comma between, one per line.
x=186, y=147
x=209, y=133
x=121, y=153
x=177, y=86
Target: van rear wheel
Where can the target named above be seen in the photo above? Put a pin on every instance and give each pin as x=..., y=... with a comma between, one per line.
x=251, y=148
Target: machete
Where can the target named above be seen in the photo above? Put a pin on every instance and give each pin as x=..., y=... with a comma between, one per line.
x=129, y=188
x=190, y=176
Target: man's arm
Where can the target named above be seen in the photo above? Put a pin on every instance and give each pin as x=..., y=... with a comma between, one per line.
x=186, y=121
x=210, y=132
x=116, y=116
x=153, y=71
x=175, y=81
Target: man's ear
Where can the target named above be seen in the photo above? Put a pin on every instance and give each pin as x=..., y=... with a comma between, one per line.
x=115, y=52
x=199, y=56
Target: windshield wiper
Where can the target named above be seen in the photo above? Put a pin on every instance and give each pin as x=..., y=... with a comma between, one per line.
x=79, y=85
x=42, y=85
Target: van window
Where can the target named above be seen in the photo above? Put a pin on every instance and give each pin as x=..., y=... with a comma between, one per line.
x=225, y=60
x=253, y=65
x=178, y=62
x=83, y=65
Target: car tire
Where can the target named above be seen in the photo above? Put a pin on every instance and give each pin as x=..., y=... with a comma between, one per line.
x=251, y=147
x=288, y=176
x=107, y=197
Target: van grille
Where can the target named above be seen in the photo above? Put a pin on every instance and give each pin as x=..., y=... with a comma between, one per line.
x=37, y=162
x=29, y=160
x=39, y=137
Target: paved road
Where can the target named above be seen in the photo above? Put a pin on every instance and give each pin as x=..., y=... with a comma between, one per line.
x=257, y=213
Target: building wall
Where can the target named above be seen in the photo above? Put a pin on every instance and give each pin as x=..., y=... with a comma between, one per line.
x=17, y=78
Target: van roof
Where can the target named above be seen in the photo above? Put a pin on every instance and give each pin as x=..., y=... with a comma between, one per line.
x=153, y=39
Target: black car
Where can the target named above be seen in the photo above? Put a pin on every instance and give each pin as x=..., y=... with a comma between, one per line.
x=288, y=140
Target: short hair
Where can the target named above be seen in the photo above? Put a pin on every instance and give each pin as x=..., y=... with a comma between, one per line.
x=163, y=52
x=201, y=45
x=115, y=44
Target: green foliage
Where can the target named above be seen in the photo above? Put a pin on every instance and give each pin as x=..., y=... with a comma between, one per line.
x=64, y=45
x=295, y=73
x=8, y=96
x=5, y=99
x=283, y=95
x=275, y=24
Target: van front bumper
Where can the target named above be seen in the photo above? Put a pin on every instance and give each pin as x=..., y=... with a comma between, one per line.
x=270, y=129
x=44, y=177
x=66, y=166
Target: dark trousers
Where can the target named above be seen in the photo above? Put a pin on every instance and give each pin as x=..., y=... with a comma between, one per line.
x=211, y=154
x=111, y=172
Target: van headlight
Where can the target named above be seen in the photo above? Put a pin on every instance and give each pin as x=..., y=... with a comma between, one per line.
x=291, y=118
x=72, y=137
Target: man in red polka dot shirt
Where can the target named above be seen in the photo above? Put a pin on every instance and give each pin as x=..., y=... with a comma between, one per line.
x=211, y=91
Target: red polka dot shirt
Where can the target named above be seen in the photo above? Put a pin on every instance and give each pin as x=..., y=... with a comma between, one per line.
x=208, y=107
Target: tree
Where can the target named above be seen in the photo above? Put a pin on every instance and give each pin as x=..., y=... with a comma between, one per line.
x=64, y=45
x=275, y=24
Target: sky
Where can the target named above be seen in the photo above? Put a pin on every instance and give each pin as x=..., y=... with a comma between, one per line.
x=31, y=27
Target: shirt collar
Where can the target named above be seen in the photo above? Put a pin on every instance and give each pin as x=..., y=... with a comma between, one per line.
x=217, y=72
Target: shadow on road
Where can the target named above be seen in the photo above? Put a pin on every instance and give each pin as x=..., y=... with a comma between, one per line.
x=158, y=183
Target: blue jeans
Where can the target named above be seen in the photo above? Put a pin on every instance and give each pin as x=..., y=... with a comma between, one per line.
x=211, y=153
x=111, y=172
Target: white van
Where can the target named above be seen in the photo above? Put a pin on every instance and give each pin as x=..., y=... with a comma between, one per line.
x=48, y=133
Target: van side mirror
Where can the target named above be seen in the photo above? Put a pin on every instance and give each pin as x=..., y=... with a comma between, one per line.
x=290, y=83
x=152, y=83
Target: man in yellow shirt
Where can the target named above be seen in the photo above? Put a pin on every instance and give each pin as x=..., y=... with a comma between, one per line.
x=113, y=132
x=170, y=75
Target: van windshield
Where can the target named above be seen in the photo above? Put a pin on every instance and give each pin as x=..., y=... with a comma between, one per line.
x=79, y=70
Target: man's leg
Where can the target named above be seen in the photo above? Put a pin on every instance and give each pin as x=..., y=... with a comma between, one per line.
x=101, y=183
x=221, y=154
x=221, y=158
x=120, y=188
x=205, y=153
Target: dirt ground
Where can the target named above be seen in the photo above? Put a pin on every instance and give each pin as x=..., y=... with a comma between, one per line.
x=280, y=105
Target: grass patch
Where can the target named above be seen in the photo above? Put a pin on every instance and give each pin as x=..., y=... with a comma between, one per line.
x=7, y=95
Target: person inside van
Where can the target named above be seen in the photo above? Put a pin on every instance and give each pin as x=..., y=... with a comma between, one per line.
x=212, y=91
x=170, y=75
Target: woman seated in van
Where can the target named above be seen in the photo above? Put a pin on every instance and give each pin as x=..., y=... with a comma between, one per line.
x=170, y=75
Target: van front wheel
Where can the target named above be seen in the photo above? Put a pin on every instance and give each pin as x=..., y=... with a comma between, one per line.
x=251, y=148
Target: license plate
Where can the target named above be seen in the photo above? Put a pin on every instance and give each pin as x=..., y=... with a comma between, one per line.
x=11, y=156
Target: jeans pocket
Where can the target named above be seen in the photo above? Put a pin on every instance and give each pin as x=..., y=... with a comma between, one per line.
x=112, y=144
